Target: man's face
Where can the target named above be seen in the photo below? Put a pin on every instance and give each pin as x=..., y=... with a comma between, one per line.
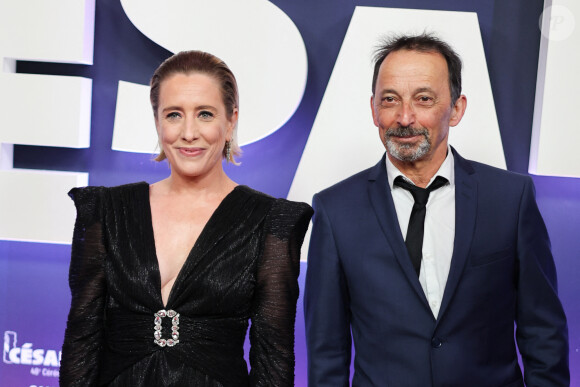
x=412, y=106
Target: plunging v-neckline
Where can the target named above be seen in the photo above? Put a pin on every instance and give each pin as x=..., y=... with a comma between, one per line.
x=155, y=258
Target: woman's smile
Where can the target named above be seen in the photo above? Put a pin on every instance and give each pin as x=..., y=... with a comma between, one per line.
x=191, y=151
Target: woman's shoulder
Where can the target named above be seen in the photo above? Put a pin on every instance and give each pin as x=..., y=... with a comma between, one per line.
x=283, y=216
x=250, y=192
x=96, y=192
x=92, y=202
x=278, y=205
x=291, y=210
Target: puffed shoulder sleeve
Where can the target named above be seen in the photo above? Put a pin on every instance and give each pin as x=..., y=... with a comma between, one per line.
x=83, y=339
x=274, y=310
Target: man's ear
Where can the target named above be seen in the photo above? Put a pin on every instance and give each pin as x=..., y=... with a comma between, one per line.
x=373, y=112
x=458, y=110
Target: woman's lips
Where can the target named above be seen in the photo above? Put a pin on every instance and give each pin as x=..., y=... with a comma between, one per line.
x=190, y=152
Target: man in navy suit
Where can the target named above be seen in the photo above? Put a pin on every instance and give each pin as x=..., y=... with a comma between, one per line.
x=430, y=294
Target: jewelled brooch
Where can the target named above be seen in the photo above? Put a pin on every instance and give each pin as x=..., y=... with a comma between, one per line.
x=157, y=334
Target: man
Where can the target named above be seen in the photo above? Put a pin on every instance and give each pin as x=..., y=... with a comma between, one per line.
x=430, y=294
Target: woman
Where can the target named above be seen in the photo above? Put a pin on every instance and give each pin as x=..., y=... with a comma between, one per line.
x=148, y=309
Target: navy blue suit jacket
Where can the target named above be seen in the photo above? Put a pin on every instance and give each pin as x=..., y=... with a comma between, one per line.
x=360, y=282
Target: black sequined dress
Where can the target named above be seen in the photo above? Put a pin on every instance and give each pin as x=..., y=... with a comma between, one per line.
x=244, y=266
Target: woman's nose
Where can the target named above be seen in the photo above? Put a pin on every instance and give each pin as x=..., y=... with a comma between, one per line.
x=189, y=131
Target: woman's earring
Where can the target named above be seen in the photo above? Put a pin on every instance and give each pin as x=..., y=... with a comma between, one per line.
x=229, y=151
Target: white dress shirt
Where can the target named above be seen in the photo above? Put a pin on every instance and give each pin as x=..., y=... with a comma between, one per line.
x=439, y=228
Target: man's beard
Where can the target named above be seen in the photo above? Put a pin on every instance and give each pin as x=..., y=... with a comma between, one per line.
x=407, y=152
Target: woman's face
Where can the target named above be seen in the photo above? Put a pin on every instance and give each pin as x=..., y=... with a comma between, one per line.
x=192, y=124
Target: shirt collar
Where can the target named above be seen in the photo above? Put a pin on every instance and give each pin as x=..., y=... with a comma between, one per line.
x=446, y=170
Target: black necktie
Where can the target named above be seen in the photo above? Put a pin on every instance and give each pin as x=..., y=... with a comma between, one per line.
x=415, y=231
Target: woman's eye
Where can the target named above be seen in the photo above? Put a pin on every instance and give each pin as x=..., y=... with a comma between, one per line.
x=173, y=115
x=205, y=115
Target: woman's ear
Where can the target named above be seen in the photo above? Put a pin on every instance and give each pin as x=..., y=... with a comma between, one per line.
x=233, y=121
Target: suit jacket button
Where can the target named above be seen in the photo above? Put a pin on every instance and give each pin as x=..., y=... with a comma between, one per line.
x=436, y=342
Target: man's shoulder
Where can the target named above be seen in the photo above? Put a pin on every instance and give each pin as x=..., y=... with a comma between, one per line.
x=487, y=172
x=490, y=174
x=351, y=186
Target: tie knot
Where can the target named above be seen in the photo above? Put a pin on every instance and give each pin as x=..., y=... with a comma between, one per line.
x=420, y=195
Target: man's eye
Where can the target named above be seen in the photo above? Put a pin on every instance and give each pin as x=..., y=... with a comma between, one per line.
x=425, y=99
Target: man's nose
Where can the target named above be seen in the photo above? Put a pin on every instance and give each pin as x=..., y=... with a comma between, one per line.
x=406, y=114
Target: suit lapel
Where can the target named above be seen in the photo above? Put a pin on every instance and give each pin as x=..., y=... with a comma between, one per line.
x=384, y=208
x=465, y=216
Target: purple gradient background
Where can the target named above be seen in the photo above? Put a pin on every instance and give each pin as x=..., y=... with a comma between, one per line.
x=34, y=295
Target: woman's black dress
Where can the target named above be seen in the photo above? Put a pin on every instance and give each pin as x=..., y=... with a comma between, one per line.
x=244, y=265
